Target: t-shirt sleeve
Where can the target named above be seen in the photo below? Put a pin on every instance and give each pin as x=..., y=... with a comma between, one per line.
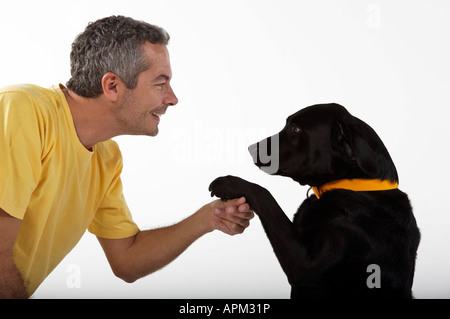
x=20, y=152
x=113, y=219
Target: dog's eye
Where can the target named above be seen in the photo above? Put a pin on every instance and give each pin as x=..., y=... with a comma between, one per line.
x=295, y=129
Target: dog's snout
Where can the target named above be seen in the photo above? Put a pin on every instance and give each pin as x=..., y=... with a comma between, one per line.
x=253, y=149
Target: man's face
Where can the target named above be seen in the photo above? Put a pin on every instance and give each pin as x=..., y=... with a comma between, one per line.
x=140, y=109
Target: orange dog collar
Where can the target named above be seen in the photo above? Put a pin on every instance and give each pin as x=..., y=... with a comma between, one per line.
x=358, y=185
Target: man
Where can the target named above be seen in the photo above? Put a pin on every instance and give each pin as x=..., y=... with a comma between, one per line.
x=60, y=170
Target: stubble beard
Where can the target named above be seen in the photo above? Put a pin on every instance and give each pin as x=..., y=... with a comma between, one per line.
x=134, y=123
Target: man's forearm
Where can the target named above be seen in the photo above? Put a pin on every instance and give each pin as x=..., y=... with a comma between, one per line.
x=154, y=249
x=151, y=250
x=11, y=283
x=137, y=256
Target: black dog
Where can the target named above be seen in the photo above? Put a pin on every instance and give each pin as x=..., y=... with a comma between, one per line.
x=357, y=237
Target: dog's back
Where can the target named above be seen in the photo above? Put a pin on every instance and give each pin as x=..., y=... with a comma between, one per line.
x=362, y=244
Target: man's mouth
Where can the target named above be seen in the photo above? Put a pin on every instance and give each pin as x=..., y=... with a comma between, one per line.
x=158, y=115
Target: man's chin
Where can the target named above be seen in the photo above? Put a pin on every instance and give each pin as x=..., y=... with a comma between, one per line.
x=153, y=132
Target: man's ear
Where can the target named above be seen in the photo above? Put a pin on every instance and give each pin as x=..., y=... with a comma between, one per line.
x=111, y=85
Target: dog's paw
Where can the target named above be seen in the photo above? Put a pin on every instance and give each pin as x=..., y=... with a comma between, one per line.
x=228, y=187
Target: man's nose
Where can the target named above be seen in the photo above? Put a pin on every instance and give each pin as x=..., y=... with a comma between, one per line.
x=171, y=98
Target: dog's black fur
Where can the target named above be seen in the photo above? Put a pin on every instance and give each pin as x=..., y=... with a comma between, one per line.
x=326, y=250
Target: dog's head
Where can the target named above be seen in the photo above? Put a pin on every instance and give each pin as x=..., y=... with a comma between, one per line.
x=323, y=143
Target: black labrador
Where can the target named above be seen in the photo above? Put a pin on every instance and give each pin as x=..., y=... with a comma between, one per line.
x=356, y=237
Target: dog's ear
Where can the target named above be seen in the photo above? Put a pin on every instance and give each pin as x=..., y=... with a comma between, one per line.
x=357, y=136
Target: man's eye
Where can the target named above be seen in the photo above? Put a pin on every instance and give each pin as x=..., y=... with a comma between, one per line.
x=161, y=85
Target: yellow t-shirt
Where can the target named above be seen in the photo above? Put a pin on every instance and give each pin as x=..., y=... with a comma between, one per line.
x=50, y=181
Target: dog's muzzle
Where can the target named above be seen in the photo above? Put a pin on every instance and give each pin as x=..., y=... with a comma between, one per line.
x=266, y=154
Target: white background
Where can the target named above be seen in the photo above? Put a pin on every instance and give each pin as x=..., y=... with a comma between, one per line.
x=240, y=68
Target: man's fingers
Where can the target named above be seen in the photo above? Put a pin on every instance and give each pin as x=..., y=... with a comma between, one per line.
x=233, y=216
x=231, y=228
x=234, y=201
x=244, y=208
x=247, y=215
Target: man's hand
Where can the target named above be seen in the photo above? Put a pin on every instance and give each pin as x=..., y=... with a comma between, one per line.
x=231, y=217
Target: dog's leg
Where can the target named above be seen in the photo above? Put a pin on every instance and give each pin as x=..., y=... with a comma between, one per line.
x=278, y=227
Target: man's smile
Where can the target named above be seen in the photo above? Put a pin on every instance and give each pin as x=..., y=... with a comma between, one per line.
x=158, y=112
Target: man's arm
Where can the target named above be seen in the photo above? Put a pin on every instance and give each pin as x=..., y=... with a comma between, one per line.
x=135, y=257
x=11, y=283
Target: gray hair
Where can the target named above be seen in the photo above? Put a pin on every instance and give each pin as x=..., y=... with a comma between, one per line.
x=112, y=44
